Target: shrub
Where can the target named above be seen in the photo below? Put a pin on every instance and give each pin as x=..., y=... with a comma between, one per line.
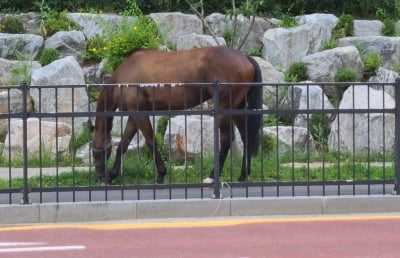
x=254, y=52
x=347, y=74
x=320, y=129
x=330, y=44
x=389, y=28
x=49, y=55
x=227, y=35
x=285, y=118
x=344, y=27
x=297, y=72
x=95, y=49
x=116, y=43
x=11, y=25
x=287, y=21
x=58, y=22
x=22, y=73
x=396, y=68
x=52, y=21
x=268, y=144
x=142, y=33
x=372, y=61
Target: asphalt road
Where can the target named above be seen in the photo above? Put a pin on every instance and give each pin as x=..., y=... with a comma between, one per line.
x=350, y=236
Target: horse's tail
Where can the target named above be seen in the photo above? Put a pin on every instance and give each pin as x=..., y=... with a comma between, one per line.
x=254, y=100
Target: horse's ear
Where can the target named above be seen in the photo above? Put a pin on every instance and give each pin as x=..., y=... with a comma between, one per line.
x=90, y=125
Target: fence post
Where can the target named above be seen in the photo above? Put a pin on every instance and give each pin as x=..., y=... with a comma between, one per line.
x=24, y=116
x=217, y=168
x=397, y=138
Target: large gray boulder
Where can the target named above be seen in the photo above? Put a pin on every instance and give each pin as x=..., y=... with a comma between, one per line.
x=96, y=24
x=291, y=138
x=323, y=66
x=362, y=133
x=53, y=139
x=387, y=47
x=11, y=102
x=191, y=135
x=68, y=43
x=282, y=47
x=30, y=21
x=61, y=72
x=176, y=24
x=382, y=76
x=65, y=71
x=269, y=73
x=221, y=24
x=328, y=22
x=367, y=28
x=96, y=73
x=307, y=97
x=271, y=76
x=28, y=45
x=193, y=40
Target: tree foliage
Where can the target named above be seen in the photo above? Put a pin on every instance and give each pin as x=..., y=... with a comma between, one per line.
x=357, y=8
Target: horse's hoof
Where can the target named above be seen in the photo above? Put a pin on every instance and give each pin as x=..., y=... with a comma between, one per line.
x=109, y=179
x=160, y=180
x=98, y=178
x=208, y=180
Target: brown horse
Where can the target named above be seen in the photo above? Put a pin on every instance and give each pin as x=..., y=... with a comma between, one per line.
x=202, y=65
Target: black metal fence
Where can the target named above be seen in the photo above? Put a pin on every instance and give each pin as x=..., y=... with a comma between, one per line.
x=317, y=140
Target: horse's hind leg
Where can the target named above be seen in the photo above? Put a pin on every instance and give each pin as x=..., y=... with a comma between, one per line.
x=226, y=138
x=129, y=133
x=147, y=131
x=246, y=160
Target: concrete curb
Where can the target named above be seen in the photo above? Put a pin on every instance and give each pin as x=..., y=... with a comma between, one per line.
x=200, y=208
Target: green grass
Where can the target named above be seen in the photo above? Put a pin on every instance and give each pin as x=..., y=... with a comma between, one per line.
x=139, y=169
x=76, y=178
x=46, y=160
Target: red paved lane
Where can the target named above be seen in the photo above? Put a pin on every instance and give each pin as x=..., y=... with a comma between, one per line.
x=295, y=237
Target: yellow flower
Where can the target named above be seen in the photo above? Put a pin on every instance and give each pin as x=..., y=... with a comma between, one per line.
x=94, y=49
x=101, y=12
x=135, y=28
x=104, y=48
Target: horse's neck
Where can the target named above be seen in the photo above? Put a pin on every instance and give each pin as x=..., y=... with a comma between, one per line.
x=105, y=101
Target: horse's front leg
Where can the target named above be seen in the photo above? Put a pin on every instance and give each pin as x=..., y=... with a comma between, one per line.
x=147, y=131
x=129, y=133
x=101, y=145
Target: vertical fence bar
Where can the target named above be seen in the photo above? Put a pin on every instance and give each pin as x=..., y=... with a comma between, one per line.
x=25, y=189
x=217, y=168
x=397, y=138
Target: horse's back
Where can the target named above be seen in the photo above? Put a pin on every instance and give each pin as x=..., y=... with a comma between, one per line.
x=196, y=65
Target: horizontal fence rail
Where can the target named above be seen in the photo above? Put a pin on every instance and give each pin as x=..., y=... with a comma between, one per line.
x=317, y=139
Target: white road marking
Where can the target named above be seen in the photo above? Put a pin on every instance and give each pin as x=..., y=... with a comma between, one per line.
x=2, y=244
x=41, y=248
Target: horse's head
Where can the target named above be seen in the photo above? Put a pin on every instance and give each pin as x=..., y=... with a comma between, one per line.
x=101, y=150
